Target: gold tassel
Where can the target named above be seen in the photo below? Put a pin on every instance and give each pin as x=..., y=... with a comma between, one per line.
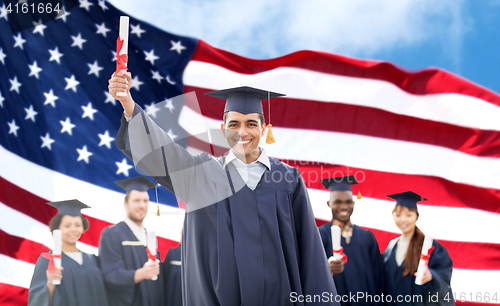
x=158, y=212
x=270, y=138
x=359, y=195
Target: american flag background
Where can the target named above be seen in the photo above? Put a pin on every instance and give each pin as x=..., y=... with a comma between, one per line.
x=428, y=131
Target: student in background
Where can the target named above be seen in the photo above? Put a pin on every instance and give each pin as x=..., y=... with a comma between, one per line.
x=81, y=280
x=122, y=248
x=363, y=272
x=402, y=255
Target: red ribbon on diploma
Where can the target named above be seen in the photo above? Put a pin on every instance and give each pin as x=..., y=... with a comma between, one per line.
x=121, y=60
x=426, y=257
x=52, y=267
x=340, y=251
x=151, y=256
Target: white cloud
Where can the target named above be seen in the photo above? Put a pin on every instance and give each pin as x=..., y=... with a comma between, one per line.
x=263, y=29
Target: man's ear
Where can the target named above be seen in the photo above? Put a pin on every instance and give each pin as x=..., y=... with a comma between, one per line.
x=328, y=203
x=263, y=130
x=223, y=130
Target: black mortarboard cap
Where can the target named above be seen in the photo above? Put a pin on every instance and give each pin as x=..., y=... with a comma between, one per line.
x=245, y=100
x=69, y=207
x=339, y=183
x=139, y=183
x=408, y=199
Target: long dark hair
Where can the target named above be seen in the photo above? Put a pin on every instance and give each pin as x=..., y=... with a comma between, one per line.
x=414, y=250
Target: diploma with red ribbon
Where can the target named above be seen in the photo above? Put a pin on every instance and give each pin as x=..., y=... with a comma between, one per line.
x=151, y=255
x=339, y=253
x=52, y=266
x=423, y=264
x=55, y=257
x=121, y=59
x=151, y=248
x=426, y=257
x=337, y=249
x=122, y=49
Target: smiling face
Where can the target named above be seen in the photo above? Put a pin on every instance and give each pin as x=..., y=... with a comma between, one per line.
x=136, y=205
x=243, y=133
x=405, y=219
x=341, y=204
x=71, y=229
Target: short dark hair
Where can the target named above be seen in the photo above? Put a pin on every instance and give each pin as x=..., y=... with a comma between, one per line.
x=55, y=222
x=261, y=118
x=127, y=195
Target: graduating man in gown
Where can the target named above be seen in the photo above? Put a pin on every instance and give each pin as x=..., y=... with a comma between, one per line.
x=363, y=273
x=249, y=233
x=80, y=277
x=122, y=248
x=435, y=288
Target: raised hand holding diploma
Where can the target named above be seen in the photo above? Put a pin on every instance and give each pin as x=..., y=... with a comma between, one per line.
x=151, y=249
x=122, y=49
x=423, y=264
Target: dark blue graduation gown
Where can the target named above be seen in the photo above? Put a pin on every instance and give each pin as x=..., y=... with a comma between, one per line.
x=119, y=260
x=239, y=246
x=364, y=270
x=172, y=274
x=440, y=266
x=81, y=285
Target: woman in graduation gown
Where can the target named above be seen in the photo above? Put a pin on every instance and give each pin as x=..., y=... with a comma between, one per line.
x=402, y=255
x=81, y=279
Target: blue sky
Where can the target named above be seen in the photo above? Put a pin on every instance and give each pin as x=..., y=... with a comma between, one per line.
x=460, y=36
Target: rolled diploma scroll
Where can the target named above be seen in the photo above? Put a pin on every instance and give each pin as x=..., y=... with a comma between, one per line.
x=422, y=264
x=124, y=20
x=57, y=251
x=335, y=229
x=152, y=247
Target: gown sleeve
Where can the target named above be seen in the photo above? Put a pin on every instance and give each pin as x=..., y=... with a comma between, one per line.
x=441, y=268
x=153, y=151
x=172, y=279
x=324, y=238
x=377, y=264
x=165, y=266
x=117, y=278
x=314, y=270
x=38, y=292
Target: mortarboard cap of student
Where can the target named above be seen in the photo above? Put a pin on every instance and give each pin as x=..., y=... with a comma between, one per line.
x=244, y=100
x=139, y=183
x=340, y=183
x=247, y=100
x=69, y=207
x=408, y=199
